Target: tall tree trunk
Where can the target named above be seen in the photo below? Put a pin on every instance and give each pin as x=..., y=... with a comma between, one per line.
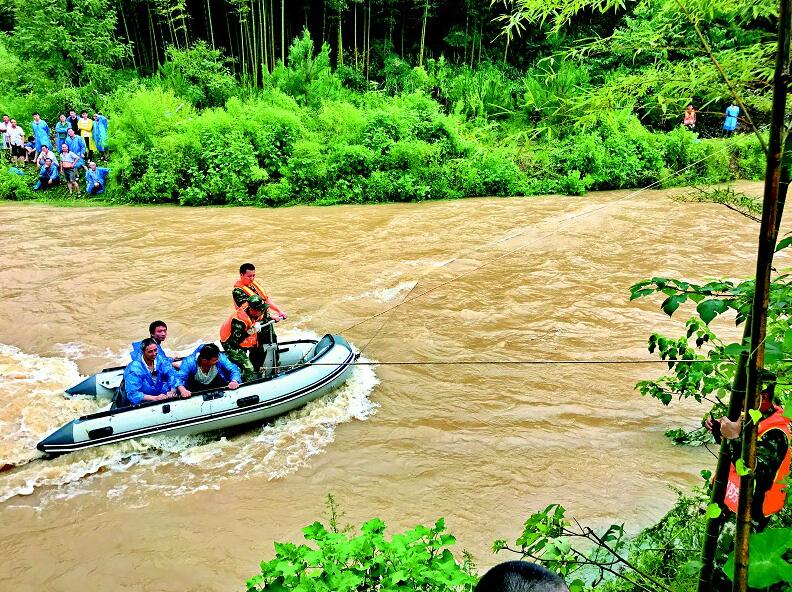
x=263, y=39
x=368, y=41
x=283, y=32
x=254, y=54
x=209, y=22
x=272, y=33
x=355, y=33
x=340, y=59
x=153, y=32
x=423, y=32
x=126, y=31
x=764, y=264
x=506, y=51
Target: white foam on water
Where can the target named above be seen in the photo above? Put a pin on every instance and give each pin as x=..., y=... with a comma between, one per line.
x=384, y=294
x=167, y=465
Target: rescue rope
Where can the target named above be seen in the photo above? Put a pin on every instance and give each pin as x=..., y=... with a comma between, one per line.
x=521, y=247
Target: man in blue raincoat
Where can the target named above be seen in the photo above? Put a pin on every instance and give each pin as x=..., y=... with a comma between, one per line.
x=77, y=145
x=41, y=133
x=209, y=368
x=151, y=377
x=100, y=133
x=95, y=179
x=48, y=176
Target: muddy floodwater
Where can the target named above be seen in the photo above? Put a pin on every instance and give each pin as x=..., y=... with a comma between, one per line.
x=483, y=446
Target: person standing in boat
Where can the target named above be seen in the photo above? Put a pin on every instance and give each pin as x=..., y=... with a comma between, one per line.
x=151, y=377
x=242, y=339
x=247, y=286
x=208, y=368
x=158, y=331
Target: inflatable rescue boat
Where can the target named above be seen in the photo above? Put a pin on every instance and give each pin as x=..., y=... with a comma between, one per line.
x=308, y=369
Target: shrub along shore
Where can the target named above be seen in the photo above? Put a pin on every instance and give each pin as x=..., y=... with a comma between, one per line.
x=193, y=136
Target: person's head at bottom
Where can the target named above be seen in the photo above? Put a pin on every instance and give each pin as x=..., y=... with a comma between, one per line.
x=520, y=576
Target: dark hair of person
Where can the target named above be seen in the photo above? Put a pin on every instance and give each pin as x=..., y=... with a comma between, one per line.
x=146, y=342
x=48, y=160
x=153, y=326
x=209, y=351
x=30, y=138
x=520, y=576
x=81, y=112
x=245, y=267
x=35, y=113
x=72, y=111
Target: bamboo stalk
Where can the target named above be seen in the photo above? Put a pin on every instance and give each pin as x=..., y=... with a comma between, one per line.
x=764, y=263
x=423, y=33
x=283, y=33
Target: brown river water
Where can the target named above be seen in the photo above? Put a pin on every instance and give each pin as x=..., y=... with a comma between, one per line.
x=483, y=446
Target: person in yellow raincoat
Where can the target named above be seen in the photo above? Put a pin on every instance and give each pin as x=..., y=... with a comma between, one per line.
x=85, y=125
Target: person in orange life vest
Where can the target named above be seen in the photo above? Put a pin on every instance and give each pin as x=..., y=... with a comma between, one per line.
x=247, y=285
x=772, y=458
x=240, y=336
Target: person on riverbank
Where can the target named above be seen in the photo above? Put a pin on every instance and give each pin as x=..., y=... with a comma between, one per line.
x=68, y=162
x=30, y=150
x=158, y=331
x=41, y=133
x=246, y=286
x=16, y=141
x=95, y=179
x=520, y=576
x=77, y=145
x=48, y=176
x=689, y=120
x=730, y=119
x=209, y=368
x=241, y=339
x=86, y=132
x=772, y=458
x=74, y=121
x=3, y=132
x=61, y=132
x=100, y=133
x=45, y=154
x=151, y=377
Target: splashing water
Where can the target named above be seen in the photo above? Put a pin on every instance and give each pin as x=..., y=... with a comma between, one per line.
x=32, y=405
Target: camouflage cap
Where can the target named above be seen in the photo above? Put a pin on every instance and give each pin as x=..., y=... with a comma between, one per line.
x=255, y=302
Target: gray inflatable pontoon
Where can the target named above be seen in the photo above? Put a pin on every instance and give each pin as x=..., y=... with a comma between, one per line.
x=312, y=369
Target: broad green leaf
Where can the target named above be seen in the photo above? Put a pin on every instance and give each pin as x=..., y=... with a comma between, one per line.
x=755, y=414
x=741, y=469
x=767, y=565
x=709, y=309
x=713, y=511
x=783, y=243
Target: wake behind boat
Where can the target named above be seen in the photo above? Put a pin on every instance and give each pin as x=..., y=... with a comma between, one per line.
x=311, y=369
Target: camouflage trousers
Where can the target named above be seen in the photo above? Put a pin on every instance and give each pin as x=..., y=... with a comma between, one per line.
x=240, y=357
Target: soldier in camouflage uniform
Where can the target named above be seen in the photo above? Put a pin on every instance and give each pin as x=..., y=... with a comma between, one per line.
x=247, y=286
x=243, y=333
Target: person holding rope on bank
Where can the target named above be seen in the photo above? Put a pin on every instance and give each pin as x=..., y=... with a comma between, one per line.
x=772, y=457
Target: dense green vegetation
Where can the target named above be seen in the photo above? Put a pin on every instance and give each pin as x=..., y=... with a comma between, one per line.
x=427, y=99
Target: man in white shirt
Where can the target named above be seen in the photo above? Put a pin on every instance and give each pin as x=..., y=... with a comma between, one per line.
x=3, y=129
x=16, y=140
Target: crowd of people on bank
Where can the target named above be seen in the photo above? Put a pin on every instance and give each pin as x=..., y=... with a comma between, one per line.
x=78, y=142
x=731, y=117
x=249, y=351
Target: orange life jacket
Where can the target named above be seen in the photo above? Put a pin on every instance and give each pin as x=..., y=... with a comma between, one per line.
x=241, y=314
x=252, y=288
x=776, y=496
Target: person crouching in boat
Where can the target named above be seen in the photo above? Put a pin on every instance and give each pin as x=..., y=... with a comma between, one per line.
x=240, y=336
x=208, y=368
x=151, y=377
